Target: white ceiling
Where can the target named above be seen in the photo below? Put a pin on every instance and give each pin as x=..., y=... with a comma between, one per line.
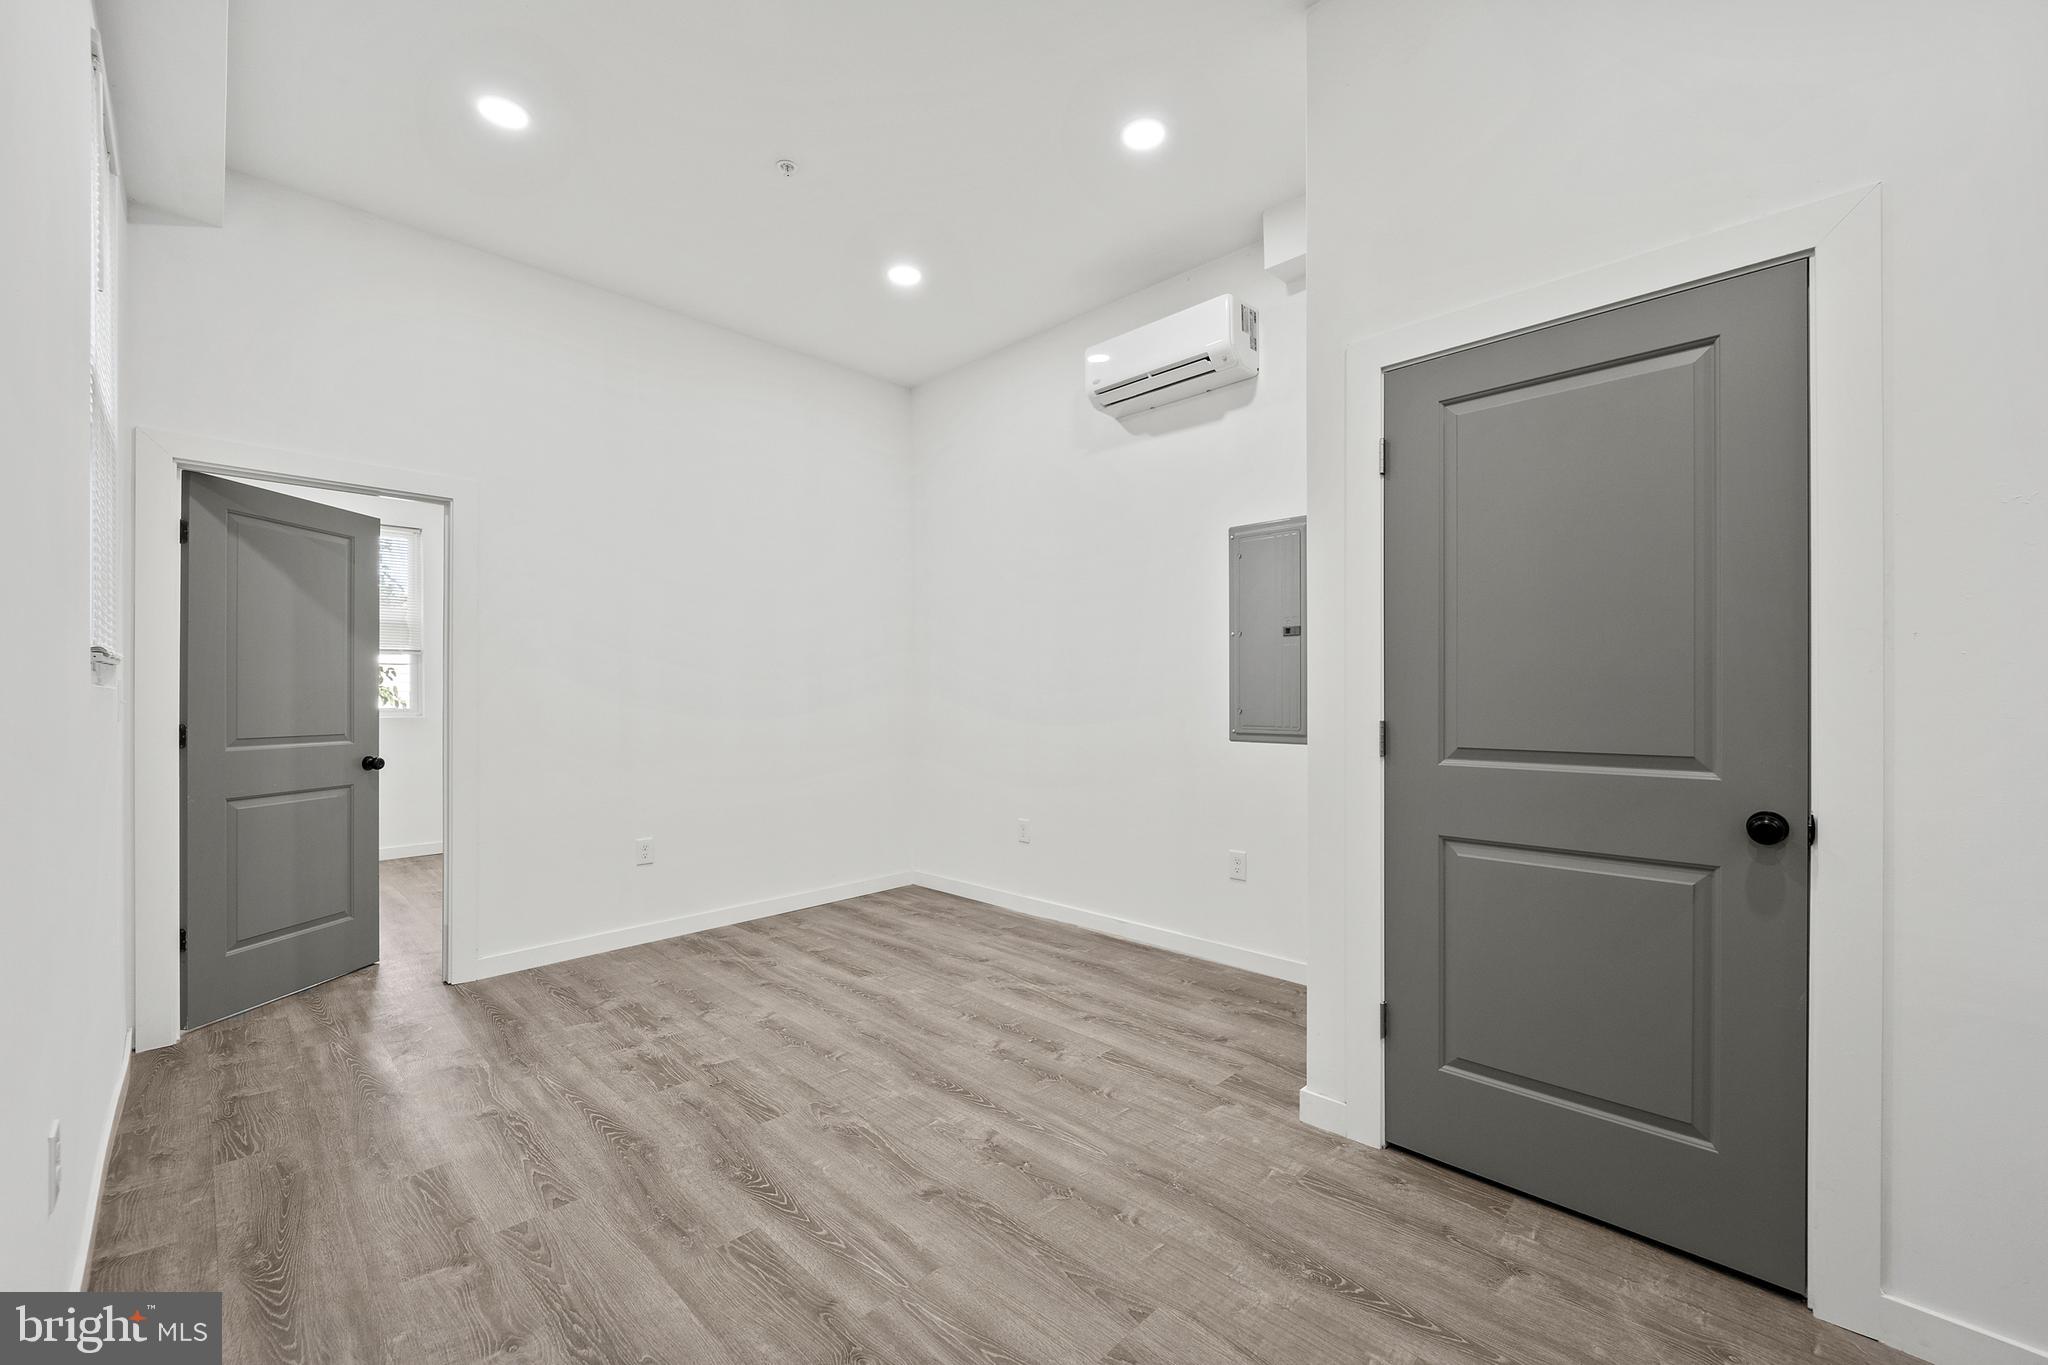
x=978, y=138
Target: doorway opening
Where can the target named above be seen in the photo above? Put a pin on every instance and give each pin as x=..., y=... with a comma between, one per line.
x=162, y=459
x=314, y=707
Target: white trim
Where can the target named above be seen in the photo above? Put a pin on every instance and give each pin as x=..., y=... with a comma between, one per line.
x=1934, y=1335
x=1845, y=1162
x=1135, y=931
x=161, y=458
x=633, y=935
x=390, y=851
x=1320, y=1111
x=99, y=1173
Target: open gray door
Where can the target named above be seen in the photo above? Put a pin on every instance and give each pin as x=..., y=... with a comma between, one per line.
x=1597, y=773
x=280, y=706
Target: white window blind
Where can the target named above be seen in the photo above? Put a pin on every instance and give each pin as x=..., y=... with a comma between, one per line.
x=104, y=567
x=401, y=614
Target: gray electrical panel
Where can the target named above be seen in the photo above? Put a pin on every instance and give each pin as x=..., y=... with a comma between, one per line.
x=1268, y=642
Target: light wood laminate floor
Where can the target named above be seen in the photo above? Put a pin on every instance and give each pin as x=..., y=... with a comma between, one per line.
x=903, y=1128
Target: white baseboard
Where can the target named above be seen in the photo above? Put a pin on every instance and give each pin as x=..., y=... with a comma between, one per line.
x=1935, y=1336
x=1320, y=1111
x=99, y=1167
x=390, y=851
x=633, y=935
x=1152, y=935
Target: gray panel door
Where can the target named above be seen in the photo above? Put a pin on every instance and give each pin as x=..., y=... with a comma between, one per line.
x=1596, y=674
x=280, y=814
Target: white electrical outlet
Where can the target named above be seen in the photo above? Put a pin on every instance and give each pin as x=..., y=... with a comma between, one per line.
x=1240, y=866
x=56, y=1163
x=643, y=852
x=1023, y=831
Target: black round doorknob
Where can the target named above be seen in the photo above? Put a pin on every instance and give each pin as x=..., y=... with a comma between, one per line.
x=372, y=764
x=1768, y=827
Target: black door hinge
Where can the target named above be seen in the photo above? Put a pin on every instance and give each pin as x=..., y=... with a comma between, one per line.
x=1383, y=457
x=184, y=530
x=181, y=948
x=1383, y=739
x=1812, y=829
x=1383, y=1018
x=181, y=736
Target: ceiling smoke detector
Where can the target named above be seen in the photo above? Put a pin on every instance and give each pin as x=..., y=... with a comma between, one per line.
x=786, y=166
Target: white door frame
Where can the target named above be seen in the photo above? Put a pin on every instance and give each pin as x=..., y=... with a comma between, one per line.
x=162, y=459
x=1345, y=1094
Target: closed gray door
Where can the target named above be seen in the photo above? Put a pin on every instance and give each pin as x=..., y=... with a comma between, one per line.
x=280, y=705
x=1596, y=675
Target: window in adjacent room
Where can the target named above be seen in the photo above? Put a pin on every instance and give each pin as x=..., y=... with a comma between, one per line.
x=401, y=622
x=104, y=505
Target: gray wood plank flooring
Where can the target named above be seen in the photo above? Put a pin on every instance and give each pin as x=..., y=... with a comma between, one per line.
x=903, y=1128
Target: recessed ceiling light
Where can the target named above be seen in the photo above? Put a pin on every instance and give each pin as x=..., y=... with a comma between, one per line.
x=1144, y=134
x=500, y=112
x=904, y=275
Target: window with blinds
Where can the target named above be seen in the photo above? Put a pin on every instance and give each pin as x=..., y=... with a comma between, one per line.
x=401, y=621
x=104, y=534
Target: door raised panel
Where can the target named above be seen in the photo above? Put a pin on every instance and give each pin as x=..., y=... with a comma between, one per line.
x=1578, y=529
x=289, y=863
x=293, y=675
x=1578, y=979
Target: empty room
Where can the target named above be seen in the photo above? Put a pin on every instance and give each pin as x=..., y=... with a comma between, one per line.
x=1157, y=682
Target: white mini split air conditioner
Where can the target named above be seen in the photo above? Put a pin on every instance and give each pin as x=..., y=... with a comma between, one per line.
x=1197, y=349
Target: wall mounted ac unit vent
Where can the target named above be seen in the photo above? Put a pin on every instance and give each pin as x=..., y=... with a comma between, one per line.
x=1197, y=349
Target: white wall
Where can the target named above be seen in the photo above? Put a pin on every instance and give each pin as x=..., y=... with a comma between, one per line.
x=63, y=808
x=1563, y=136
x=693, y=552
x=409, y=789
x=1071, y=626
